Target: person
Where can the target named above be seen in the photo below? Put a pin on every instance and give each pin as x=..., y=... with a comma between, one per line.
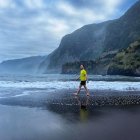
x=83, y=79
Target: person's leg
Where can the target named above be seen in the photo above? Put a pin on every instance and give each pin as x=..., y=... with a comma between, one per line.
x=78, y=91
x=86, y=90
x=87, y=100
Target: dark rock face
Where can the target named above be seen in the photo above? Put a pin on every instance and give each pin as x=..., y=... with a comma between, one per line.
x=99, y=66
x=91, y=41
x=73, y=67
x=127, y=61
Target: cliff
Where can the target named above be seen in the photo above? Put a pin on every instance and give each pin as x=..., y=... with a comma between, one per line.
x=125, y=62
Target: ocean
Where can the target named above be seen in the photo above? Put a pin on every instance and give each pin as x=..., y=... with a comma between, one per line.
x=23, y=85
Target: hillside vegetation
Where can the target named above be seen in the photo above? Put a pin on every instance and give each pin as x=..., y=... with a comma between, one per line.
x=127, y=61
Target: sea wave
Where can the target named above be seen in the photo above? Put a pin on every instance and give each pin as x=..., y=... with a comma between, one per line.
x=58, y=85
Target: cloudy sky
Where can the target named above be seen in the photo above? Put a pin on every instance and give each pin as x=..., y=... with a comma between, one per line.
x=35, y=27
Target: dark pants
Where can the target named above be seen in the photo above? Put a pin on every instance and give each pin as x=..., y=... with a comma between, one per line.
x=83, y=83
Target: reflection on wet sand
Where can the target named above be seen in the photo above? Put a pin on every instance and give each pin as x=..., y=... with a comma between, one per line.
x=84, y=113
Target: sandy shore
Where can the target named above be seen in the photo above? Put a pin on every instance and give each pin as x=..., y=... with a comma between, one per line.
x=108, y=115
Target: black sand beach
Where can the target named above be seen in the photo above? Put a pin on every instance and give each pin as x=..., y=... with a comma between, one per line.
x=108, y=115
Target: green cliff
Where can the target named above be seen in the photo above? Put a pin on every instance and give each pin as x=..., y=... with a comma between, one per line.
x=127, y=61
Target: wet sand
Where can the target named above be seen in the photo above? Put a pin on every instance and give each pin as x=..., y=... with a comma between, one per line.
x=105, y=115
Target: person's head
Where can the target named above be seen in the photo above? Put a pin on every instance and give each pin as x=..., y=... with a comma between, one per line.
x=81, y=67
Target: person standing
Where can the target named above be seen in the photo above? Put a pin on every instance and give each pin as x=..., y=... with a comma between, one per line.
x=83, y=79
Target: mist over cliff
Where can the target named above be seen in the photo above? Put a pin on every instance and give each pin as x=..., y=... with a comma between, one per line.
x=23, y=65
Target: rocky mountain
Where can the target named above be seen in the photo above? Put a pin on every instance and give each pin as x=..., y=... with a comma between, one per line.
x=92, y=41
x=83, y=44
x=24, y=65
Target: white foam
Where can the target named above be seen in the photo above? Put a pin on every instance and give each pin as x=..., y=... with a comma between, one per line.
x=56, y=85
